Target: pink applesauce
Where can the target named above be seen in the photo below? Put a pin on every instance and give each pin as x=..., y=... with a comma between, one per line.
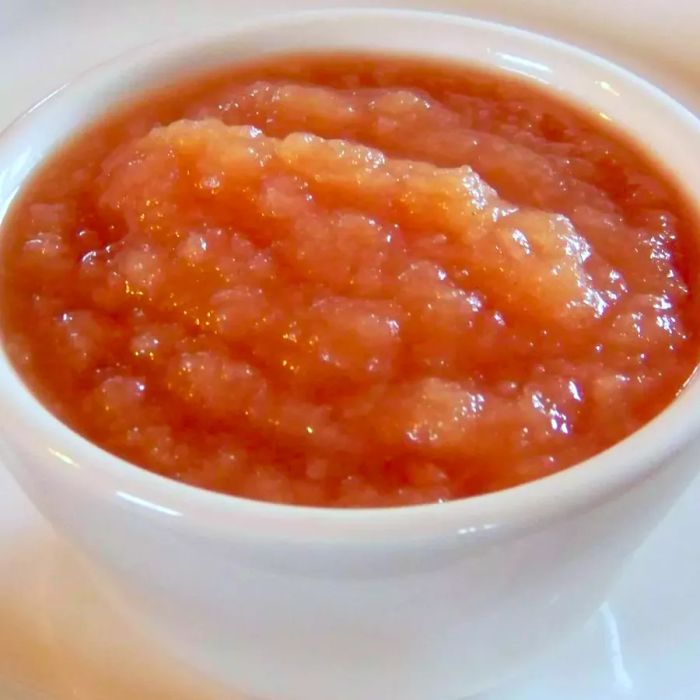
x=351, y=281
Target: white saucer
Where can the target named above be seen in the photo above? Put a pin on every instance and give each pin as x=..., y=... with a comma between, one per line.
x=60, y=641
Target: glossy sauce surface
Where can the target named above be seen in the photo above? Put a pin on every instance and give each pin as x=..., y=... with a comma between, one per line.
x=351, y=281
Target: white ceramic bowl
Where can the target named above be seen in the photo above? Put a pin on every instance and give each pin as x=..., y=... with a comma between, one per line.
x=420, y=603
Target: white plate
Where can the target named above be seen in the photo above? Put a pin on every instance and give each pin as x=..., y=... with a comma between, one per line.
x=59, y=640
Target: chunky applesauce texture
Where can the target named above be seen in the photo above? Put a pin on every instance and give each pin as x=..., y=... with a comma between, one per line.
x=351, y=281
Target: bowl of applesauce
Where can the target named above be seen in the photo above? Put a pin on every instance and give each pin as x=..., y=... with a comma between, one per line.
x=353, y=348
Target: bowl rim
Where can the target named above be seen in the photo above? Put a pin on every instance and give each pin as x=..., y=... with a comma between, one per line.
x=530, y=505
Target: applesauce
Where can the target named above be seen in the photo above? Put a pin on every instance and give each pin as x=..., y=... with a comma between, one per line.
x=351, y=281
